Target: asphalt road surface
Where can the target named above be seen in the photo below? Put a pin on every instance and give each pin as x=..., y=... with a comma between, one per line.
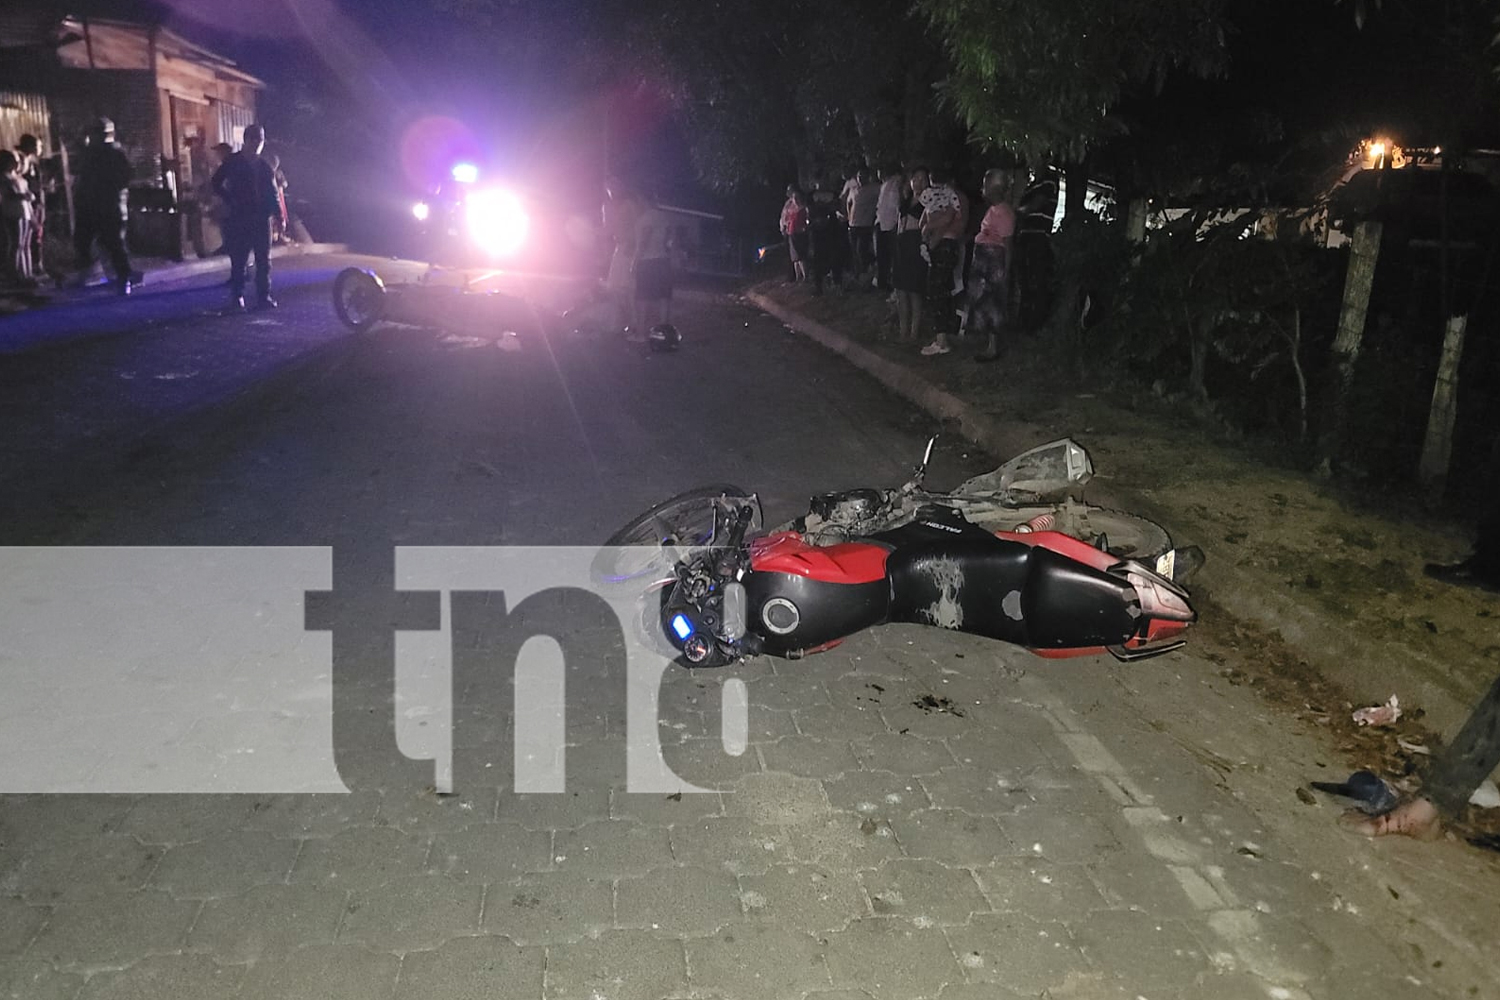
x=914, y=815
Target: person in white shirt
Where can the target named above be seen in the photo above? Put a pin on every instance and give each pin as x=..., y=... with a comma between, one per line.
x=887, y=219
x=862, y=208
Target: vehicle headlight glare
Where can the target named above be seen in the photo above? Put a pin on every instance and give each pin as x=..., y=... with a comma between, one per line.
x=497, y=221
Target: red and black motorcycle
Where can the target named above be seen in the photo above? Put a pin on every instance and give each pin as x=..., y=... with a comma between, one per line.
x=1010, y=556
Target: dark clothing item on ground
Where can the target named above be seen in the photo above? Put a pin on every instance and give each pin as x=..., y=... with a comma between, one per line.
x=1474, y=753
x=109, y=229
x=885, y=258
x=942, y=260
x=242, y=237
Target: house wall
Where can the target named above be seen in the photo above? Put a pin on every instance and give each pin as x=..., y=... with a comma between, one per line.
x=128, y=97
x=22, y=113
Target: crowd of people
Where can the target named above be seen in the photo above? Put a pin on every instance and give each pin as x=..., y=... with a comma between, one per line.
x=234, y=196
x=912, y=233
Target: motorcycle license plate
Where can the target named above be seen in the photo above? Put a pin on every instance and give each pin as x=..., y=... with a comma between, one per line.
x=1166, y=563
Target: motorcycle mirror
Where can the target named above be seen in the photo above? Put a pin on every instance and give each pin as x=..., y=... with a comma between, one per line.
x=926, y=457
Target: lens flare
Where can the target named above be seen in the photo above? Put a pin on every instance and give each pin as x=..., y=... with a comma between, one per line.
x=465, y=173
x=421, y=210
x=497, y=221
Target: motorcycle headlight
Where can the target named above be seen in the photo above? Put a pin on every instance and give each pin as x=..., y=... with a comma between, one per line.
x=421, y=210
x=497, y=221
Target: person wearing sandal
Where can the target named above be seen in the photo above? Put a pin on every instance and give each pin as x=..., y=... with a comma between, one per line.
x=942, y=227
x=989, y=272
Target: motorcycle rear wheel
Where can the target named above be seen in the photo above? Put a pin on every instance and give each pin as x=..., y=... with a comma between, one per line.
x=359, y=298
x=648, y=543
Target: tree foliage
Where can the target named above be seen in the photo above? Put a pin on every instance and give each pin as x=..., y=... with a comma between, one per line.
x=1043, y=77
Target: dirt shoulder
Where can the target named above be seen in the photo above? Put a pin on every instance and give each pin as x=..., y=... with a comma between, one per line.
x=1335, y=576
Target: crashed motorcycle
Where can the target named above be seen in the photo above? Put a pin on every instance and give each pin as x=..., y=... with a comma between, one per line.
x=1010, y=555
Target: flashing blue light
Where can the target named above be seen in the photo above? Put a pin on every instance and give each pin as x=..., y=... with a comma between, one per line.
x=682, y=626
x=465, y=173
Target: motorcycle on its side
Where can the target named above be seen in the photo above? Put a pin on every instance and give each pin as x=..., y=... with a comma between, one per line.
x=1009, y=555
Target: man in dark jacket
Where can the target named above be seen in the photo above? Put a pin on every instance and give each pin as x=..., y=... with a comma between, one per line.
x=99, y=198
x=248, y=186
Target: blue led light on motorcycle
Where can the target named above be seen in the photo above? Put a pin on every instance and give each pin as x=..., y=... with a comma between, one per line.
x=682, y=626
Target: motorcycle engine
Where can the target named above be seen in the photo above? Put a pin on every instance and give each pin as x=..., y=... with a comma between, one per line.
x=847, y=507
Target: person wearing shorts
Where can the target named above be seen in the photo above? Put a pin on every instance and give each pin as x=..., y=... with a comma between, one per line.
x=655, y=273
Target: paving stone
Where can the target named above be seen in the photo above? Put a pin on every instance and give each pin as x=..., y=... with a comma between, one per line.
x=42, y=869
x=980, y=991
x=1039, y=888
x=1127, y=884
x=613, y=849
x=1029, y=956
x=904, y=755
x=704, y=762
x=809, y=756
x=361, y=858
x=875, y=793
x=924, y=892
x=756, y=963
x=740, y=846
x=412, y=914
x=472, y=968
x=34, y=979
x=975, y=790
x=566, y=810
x=425, y=813
x=906, y=719
x=166, y=977
x=88, y=934
x=952, y=837
x=843, y=841
x=620, y=965
x=681, y=901
x=1062, y=837
x=224, y=866
x=803, y=898
x=1280, y=946
x=1003, y=749
x=186, y=819
x=1143, y=952
x=770, y=724
x=331, y=972
x=268, y=920
x=18, y=925
x=495, y=852
x=777, y=799
x=794, y=690
x=549, y=908
x=300, y=817
x=658, y=809
x=891, y=959
x=857, y=721
x=29, y=819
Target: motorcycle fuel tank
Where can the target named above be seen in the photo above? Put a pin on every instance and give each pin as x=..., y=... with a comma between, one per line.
x=802, y=596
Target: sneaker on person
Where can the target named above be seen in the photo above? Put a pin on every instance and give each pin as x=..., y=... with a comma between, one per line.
x=933, y=349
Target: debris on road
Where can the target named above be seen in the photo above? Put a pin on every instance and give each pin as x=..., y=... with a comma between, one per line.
x=1366, y=788
x=1379, y=715
x=930, y=704
x=1486, y=796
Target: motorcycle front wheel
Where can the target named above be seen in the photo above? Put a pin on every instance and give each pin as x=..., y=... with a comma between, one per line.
x=358, y=298
x=649, y=544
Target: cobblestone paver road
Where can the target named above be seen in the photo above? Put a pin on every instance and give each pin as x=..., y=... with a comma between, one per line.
x=916, y=814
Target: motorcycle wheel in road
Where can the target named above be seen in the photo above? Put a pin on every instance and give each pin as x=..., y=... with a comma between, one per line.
x=652, y=542
x=359, y=298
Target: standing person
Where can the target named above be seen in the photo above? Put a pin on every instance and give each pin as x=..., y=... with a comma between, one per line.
x=862, y=208
x=887, y=218
x=15, y=216
x=622, y=210
x=794, y=227
x=247, y=184
x=909, y=269
x=828, y=241
x=654, y=270
x=941, y=213
x=989, y=273
x=100, y=198
x=279, y=220
x=34, y=173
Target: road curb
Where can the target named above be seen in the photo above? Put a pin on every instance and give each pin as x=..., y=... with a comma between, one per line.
x=208, y=265
x=1367, y=670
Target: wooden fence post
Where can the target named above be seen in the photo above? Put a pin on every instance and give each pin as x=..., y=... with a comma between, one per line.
x=1437, y=449
x=1364, y=253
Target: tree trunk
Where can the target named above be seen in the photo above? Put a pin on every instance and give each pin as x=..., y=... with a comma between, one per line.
x=1364, y=253
x=1076, y=190
x=1437, y=450
x=1062, y=325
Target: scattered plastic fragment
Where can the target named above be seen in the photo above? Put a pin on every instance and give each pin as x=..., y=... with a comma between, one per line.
x=1372, y=794
x=1379, y=715
x=1486, y=796
x=1411, y=747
